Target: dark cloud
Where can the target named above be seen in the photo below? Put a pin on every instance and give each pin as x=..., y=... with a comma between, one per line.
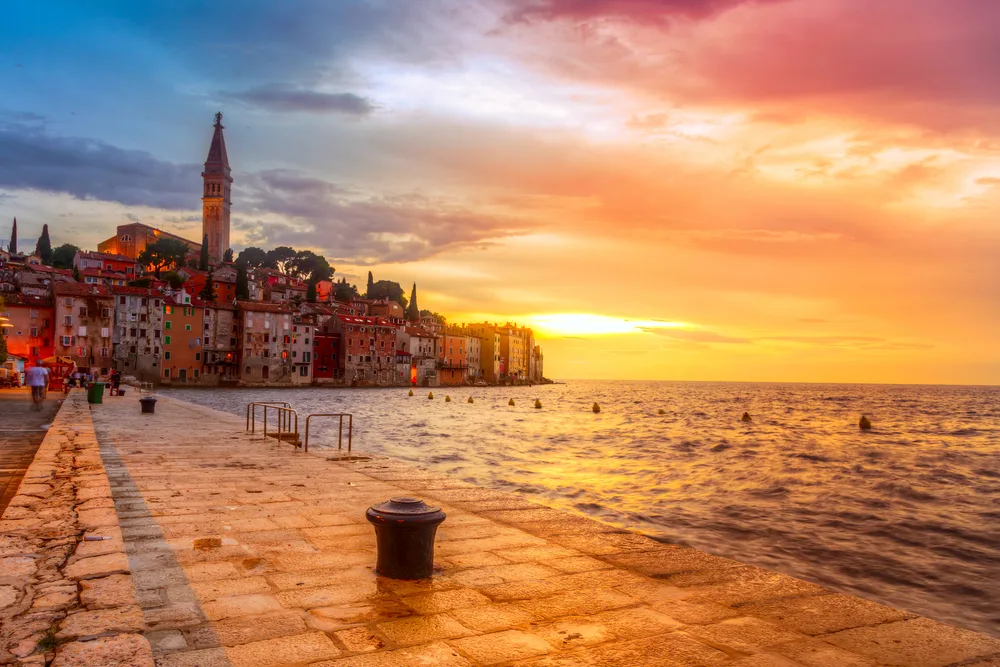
x=34, y=159
x=280, y=97
x=363, y=228
x=348, y=225
x=633, y=10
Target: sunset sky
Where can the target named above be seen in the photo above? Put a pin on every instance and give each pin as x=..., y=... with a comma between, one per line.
x=780, y=190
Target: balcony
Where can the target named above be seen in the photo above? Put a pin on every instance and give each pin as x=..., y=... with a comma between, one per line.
x=451, y=365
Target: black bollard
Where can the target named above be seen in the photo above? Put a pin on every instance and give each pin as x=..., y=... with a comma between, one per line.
x=745, y=417
x=148, y=404
x=404, y=531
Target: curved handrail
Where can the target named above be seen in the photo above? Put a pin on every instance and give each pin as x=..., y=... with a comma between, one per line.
x=284, y=419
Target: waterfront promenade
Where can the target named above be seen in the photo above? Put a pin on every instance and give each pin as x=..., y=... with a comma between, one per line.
x=243, y=551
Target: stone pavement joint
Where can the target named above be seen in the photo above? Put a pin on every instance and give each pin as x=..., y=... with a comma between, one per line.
x=245, y=552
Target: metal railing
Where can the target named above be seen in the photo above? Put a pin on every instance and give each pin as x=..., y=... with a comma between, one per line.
x=285, y=416
x=252, y=412
x=340, y=431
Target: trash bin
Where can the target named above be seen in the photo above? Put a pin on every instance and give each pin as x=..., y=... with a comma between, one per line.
x=404, y=532
x=148, y=404
x=95, y=393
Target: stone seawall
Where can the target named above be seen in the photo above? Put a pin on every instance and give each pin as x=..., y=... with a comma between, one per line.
x=66, y=600
x=245, y=552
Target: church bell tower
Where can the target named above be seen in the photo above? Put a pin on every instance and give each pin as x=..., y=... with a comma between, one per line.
x=215, y=202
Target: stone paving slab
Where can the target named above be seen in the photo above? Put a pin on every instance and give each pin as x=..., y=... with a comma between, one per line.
x=247, y=552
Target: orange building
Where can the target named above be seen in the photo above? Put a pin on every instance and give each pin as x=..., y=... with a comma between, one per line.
x=30, y=334
x=183, y=339
x=453, y=362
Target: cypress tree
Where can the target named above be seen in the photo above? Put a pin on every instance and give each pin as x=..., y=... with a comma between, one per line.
x=203, y=262
x=412, y=311
x=44, y=247
x=311, y=290
x=207, y=292
x=371, y=286
x=242, y=282
x=227, y=256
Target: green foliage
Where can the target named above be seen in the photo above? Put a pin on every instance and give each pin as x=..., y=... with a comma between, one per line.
x=164, y=253
x=413, y=312
x=207, y=292
x=173, y=279
x=253, y=258
x=307, y=264
x=48, y=641
x=281, y=258
x=311, y=291
x=76, y=274
x=371, y=285
x=44, y=247
x=386, y=289
x=62, y=257
x=227, y=256
x=141, y=282
x=203, y=259
x=342, y=291
x=242, y=282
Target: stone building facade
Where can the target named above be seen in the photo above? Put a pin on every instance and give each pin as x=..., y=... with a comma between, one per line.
x=138, y=332
x=303, y=335
x=84, y=318
x=265, y=343
x=369, y=346
x=221, y=344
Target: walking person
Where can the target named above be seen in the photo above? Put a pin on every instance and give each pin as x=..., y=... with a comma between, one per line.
x=37, y=378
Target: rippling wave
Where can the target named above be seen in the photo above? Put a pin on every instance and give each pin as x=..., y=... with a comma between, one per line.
x=907, y=513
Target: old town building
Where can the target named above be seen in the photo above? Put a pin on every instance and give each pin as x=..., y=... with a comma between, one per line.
x=327, y=368
x=369, y=347
x=220, y=344
x=30, y=334
x=183, y=328
x=138, y=332
x=421, y=345
x=303, y=332
x=265, y=343
x=84, y=317
x=452, y=362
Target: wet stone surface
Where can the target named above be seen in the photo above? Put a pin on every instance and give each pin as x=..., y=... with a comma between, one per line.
x=245, y=552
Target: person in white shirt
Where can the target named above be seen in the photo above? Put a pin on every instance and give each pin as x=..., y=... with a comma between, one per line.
x=37, y=377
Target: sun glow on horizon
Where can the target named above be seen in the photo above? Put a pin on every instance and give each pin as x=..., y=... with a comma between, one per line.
x=589, y=324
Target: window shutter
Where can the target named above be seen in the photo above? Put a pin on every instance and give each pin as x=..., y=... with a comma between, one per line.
x=81, y=331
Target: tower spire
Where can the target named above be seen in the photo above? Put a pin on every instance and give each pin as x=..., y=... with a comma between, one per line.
x=13, y=239
x=215, y=199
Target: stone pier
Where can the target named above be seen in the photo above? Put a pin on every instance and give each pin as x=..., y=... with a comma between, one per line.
x=246, y=552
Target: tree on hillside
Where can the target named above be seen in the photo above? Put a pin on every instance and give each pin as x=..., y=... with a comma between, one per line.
x=44, y=247
x=242, y=282
x=173, y=279
x=144, y=282
x=386, y=289
x=62, y=257
x=227, y=256
x=203, y=260
x=207, y=292
x=163, y=253
x=281, y=258
x=253, y=258
x=311, y=291
x=371, y=284
x=342, y=291
x=307, y=264
x=412, y=311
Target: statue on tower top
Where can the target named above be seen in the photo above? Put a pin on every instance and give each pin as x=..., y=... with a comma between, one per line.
x=218, y=119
